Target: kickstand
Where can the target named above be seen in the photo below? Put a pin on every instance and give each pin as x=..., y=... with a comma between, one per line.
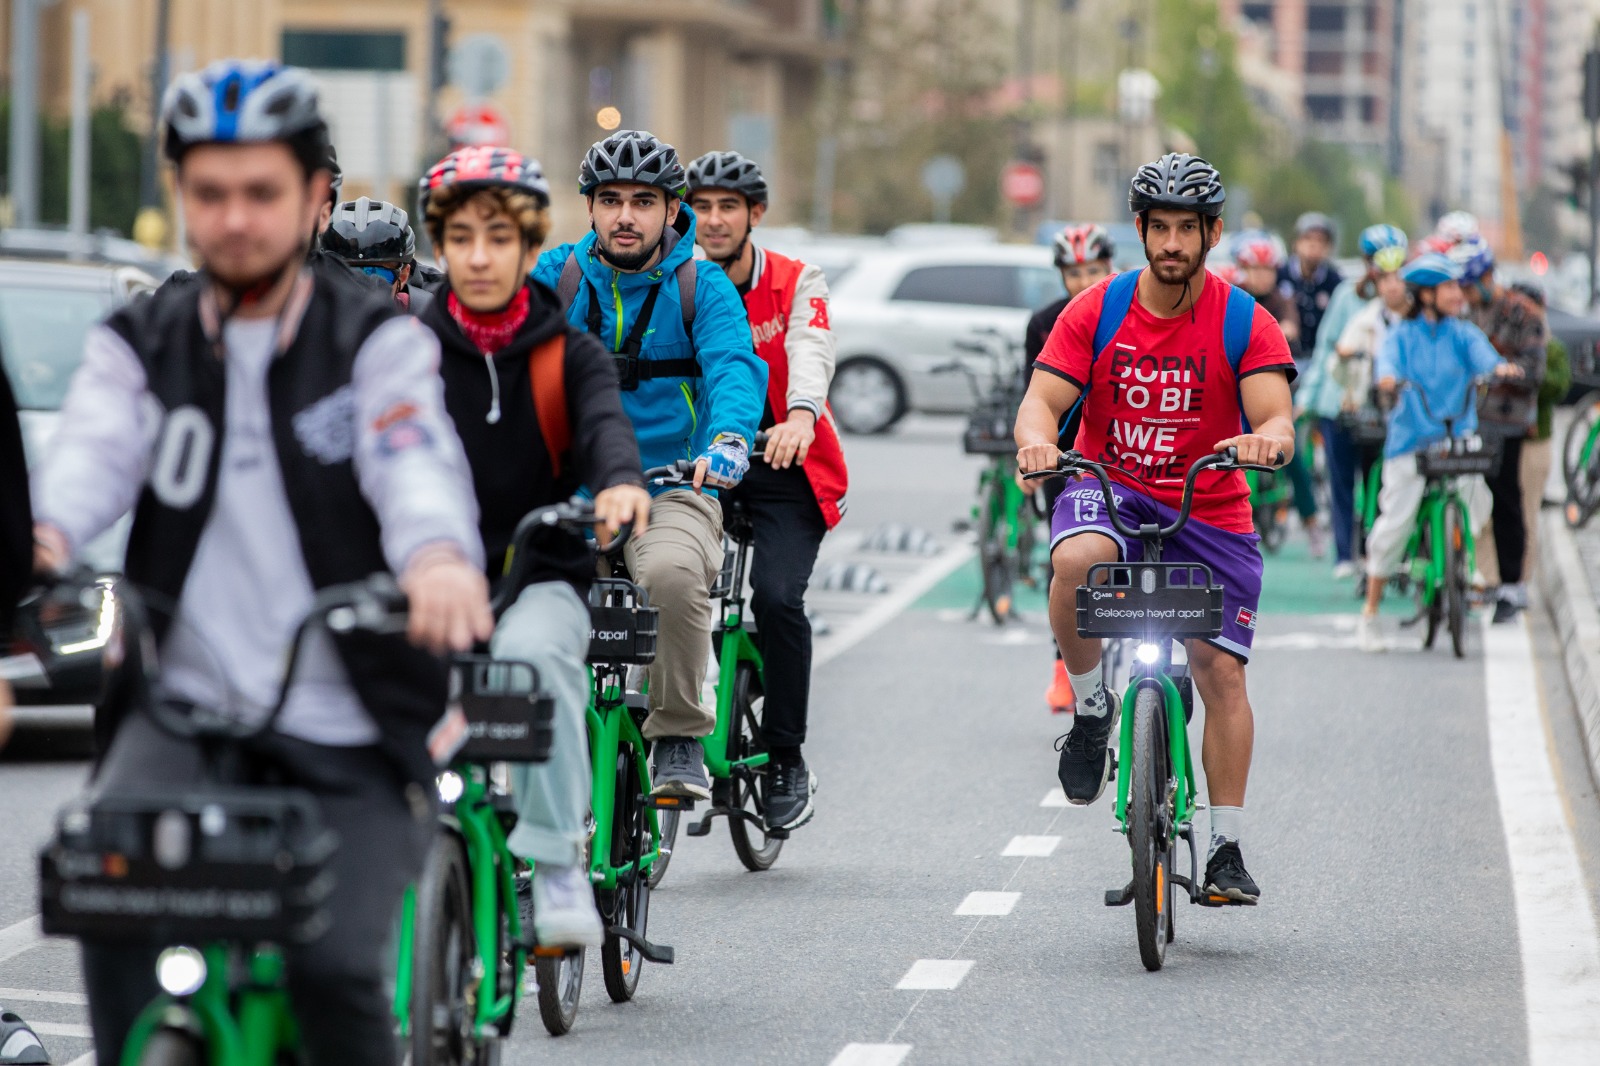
x=1120, y=897
x=653, y=952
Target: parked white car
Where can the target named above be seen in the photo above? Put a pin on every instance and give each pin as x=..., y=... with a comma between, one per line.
x=899, y=313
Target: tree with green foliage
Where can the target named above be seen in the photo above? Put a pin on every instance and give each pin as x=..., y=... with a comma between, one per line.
x=114, y=152
x=1326, y=177
x=1202, y=94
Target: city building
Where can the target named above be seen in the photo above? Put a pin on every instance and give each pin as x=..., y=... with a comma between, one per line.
x=551, y=75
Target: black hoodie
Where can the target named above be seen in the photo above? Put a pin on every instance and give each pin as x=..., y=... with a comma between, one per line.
x=511, y=467
x=16, y=518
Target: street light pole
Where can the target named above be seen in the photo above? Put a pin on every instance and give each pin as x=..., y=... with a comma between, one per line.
x=23, y=176
x=150, y=173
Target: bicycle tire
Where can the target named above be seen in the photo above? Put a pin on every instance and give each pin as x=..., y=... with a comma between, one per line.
x=998, y=584
x=629, y=903
x=173, y=1047
x=669, y=822
x=1432, y=608
x=744, y=740
x=444, y=992
x=1455, y=580
x=1152, y=852
x=560, y=988
x=1582, y=479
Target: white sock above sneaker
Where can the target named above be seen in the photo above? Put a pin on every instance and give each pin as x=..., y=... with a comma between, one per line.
x=1227, y=823
x=1090, y=692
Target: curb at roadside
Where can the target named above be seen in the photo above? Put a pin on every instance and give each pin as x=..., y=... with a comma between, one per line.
x=1570, y=600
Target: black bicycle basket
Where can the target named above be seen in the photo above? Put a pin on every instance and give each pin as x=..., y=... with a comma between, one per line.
x=989, y=427
x=1144, y=599
x=1456, y=457
x=622, y=624
x=1366, y=426
x=213, y=863
x=509, y=719
x=724, y=583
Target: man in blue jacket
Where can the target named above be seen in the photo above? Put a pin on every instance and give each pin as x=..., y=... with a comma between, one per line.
x=693, y=387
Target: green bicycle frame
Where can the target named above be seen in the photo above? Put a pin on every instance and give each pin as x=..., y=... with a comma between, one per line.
x=611, y=726
x=250, y=1026
x=491, y=870
x=734, y=646
x=1439, y=497
x=1177, y=743
x=1000, y=500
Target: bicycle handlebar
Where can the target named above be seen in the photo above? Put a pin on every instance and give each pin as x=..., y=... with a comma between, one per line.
x=575, y=515
x=681, y=472
x=1070, y=462
x=1467, y=401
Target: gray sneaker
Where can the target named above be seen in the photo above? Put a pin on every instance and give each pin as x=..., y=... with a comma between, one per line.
x=680, y=769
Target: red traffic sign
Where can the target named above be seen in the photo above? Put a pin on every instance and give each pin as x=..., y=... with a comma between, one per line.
x=478, y=123
x=1022, y=184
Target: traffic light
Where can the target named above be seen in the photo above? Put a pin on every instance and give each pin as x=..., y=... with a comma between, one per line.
x=1577, y=173
x=1591, y=85
x=439, y=42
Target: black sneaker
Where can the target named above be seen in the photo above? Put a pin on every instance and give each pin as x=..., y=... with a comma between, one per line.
x=1085, y=764
x=789, y=788
x=1504, y=611
x=680, y=769
x=1226, y=877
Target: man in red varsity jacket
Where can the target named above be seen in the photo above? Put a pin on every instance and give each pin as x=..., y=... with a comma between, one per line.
x=797, y=494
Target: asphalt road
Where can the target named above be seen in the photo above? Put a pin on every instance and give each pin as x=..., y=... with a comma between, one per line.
x=1388, y=928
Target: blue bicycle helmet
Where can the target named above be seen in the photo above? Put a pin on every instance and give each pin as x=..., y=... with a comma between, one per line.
x=237, y=101
x=1429, y=270
x=1375, y=239
x=1474, y=256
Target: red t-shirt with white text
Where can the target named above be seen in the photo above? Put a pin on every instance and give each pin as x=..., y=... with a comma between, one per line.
x=1162, y=394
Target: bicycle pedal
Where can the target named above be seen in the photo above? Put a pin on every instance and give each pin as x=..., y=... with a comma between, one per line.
x=778, y=834
x=668, y=803
x=1211, y=899
x=542, y=952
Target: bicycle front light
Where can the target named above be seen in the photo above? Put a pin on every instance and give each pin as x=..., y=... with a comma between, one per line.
x=451, y=786
x=181, y=971
x=1148, y=653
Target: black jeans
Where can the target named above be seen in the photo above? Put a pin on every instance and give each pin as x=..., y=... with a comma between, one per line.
x=1510, y=534
x=788, y=528
x=339, y=984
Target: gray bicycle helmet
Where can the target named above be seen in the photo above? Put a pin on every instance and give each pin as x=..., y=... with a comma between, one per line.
x=1179, y=181
x=1316, y=221
x=370, y=231
x=728, y=170
x=632, y=156
x=245, y=102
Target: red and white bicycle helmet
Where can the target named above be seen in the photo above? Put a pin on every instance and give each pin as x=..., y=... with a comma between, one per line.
x=1258, y=248
x=484, y=167
x=1077, y=244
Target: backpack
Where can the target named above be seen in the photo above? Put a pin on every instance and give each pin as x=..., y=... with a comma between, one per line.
x=547, y=376
x=572, y=277
x=1237, y=322
x=631, y=368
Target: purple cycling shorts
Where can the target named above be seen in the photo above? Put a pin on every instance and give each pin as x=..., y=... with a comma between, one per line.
x=1234, y=558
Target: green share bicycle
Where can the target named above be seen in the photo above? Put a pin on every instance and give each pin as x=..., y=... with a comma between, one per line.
x=1155, y=603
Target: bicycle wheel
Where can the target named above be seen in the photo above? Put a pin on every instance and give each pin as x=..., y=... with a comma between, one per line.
x=560, y=986
x=755, y=848
x=998, y=582
x=1582, y=474
x=1455, y=580
x=444, y=985
x=668, y=820
x=172, y=1047
x=1430, y=601
x=1149, y=787
x=628, y=904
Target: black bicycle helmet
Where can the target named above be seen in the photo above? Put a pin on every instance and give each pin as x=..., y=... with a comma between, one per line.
x=1179, y=181
x=632, y=156
x=335, y=174
x=370, y=231
x=728, y=170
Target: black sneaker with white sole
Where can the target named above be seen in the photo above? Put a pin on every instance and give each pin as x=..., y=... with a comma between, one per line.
x=1227, y=878
x=1505, y=610
x=1085, y=764
x=679, y=769
x=790, y=785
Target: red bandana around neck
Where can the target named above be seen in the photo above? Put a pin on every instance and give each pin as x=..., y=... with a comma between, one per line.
x=493, y=330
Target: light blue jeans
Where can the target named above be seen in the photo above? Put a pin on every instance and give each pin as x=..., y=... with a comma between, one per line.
x=548, y=626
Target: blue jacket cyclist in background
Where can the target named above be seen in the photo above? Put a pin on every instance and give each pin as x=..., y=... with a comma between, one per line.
x=694, y=389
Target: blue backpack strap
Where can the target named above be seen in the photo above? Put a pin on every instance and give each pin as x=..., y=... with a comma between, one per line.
x=1113, y=309
x=1238, y=322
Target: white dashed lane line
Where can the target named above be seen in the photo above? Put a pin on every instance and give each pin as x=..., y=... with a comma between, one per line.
x=32, y=995
x=935, y=975
x=1054, y=798
x=20, y=937
x=872, y=1055
x=1041, y=847
x=996, y=904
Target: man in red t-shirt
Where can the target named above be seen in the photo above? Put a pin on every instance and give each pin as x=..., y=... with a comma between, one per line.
x=1162, y=393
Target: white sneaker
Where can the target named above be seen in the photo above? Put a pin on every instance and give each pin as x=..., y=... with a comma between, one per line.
x=1344, y=571
x=564, y=914
x=1369, y=634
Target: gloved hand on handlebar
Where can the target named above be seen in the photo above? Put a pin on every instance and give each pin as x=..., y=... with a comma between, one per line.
x=723, y=465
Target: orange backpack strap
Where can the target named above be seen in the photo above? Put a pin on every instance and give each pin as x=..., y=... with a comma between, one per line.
x=547, y=372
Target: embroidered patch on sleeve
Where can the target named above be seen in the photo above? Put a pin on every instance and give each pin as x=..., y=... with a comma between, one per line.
x=819, y=313
x=1247, y=618
x=327, y=429
x=400, y=412
x=403, y=435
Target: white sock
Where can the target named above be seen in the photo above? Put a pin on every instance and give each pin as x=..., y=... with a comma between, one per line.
x=1226, y=825
x=1090, y=693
